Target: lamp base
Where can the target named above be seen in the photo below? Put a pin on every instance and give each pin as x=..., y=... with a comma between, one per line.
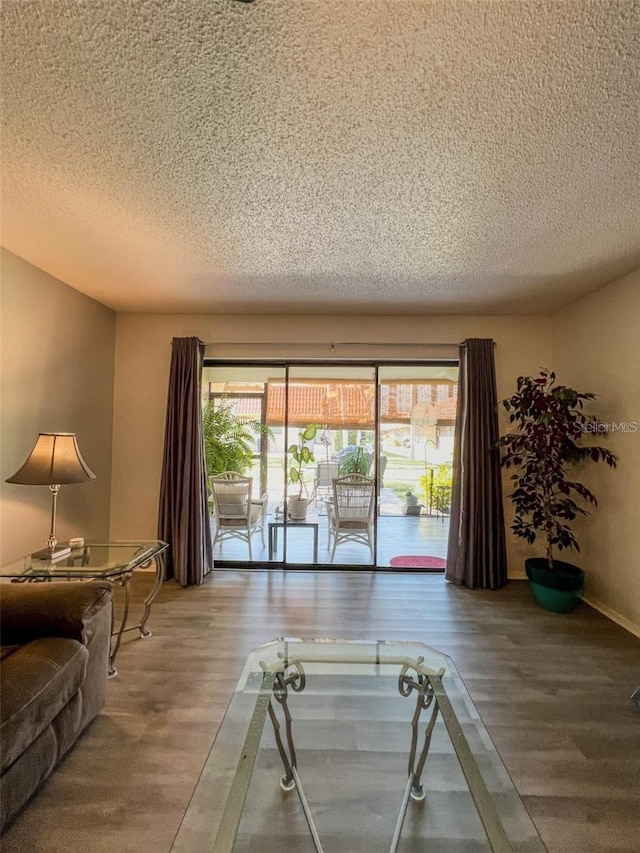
x=61, y=550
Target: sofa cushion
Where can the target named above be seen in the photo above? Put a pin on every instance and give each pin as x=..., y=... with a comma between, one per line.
x=58, y=609
x=22, y=778
x=20, y=781
x=6, y=650
x=36, y=682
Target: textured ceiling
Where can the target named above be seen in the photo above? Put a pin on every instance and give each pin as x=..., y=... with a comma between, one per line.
x=333, y=156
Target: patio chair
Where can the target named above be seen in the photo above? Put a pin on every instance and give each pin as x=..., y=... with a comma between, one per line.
x=351, y=512
x=237, y=515
x=325, y=473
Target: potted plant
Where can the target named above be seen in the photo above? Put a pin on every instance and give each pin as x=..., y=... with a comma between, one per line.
x=357, y=462
x=300, y=455
x=551, y=423
x=229, y=438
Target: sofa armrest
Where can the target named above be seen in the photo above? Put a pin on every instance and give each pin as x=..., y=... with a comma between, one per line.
x=34, y=610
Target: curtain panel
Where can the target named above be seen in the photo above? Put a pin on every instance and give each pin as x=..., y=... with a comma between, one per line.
x=476, y=555
x=183, y=518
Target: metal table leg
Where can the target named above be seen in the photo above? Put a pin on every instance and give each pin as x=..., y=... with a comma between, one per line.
x=123, y=581
x=159, y=558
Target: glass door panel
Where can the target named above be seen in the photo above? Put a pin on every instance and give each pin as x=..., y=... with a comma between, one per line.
x=239, y=437
x=335, y=405
x=417, y=411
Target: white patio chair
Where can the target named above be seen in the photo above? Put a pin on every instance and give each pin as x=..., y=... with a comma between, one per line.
x=325, y=474
x=237, y=515
x=351, y=512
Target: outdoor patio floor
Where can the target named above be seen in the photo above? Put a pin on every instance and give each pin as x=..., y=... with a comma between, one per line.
x=397, y=534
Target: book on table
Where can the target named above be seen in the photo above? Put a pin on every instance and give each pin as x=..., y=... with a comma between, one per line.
x=61, y=550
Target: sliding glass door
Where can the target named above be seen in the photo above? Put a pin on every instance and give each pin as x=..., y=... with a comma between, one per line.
x=293, y=429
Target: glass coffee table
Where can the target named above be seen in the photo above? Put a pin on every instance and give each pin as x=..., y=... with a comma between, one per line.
x=111, y=561
x=333, y=745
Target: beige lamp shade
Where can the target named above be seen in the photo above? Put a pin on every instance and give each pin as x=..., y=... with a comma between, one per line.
x=55, y=460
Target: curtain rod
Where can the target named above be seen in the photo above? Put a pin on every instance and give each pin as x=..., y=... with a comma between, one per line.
x=329, y=344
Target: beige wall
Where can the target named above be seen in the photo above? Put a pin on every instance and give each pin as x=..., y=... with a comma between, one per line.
x=56, y=376
x=143, y=352
x=596, y=344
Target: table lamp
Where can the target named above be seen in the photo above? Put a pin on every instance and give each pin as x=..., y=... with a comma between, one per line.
x=54, y=461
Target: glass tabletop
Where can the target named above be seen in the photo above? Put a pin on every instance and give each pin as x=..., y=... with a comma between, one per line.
x=91, y=560
x=332, y=745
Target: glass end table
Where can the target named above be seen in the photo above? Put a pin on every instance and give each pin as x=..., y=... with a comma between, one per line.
x=111, y=561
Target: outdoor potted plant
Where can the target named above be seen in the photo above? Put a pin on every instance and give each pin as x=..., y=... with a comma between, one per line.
x=300, y=455
x=357, y=462
x=551, y=424
x=229, y=439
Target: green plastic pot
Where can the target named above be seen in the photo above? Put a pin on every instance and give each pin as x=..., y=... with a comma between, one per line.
x=558, y=590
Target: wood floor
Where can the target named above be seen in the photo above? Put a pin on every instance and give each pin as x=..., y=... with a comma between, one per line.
x=553, y=691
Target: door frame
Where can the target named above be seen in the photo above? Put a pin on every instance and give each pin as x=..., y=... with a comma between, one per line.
x=286, y=364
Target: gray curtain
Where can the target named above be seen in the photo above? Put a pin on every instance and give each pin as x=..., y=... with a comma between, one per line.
x=184, y=515
x=476, y=556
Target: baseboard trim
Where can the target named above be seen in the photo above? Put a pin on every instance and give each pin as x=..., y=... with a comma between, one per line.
x=616, y=617
x=625, y=623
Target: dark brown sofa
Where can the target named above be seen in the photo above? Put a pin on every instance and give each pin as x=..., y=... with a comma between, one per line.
x=53, y=674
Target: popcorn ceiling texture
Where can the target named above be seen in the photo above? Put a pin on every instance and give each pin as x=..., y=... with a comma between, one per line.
x=336, y=156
